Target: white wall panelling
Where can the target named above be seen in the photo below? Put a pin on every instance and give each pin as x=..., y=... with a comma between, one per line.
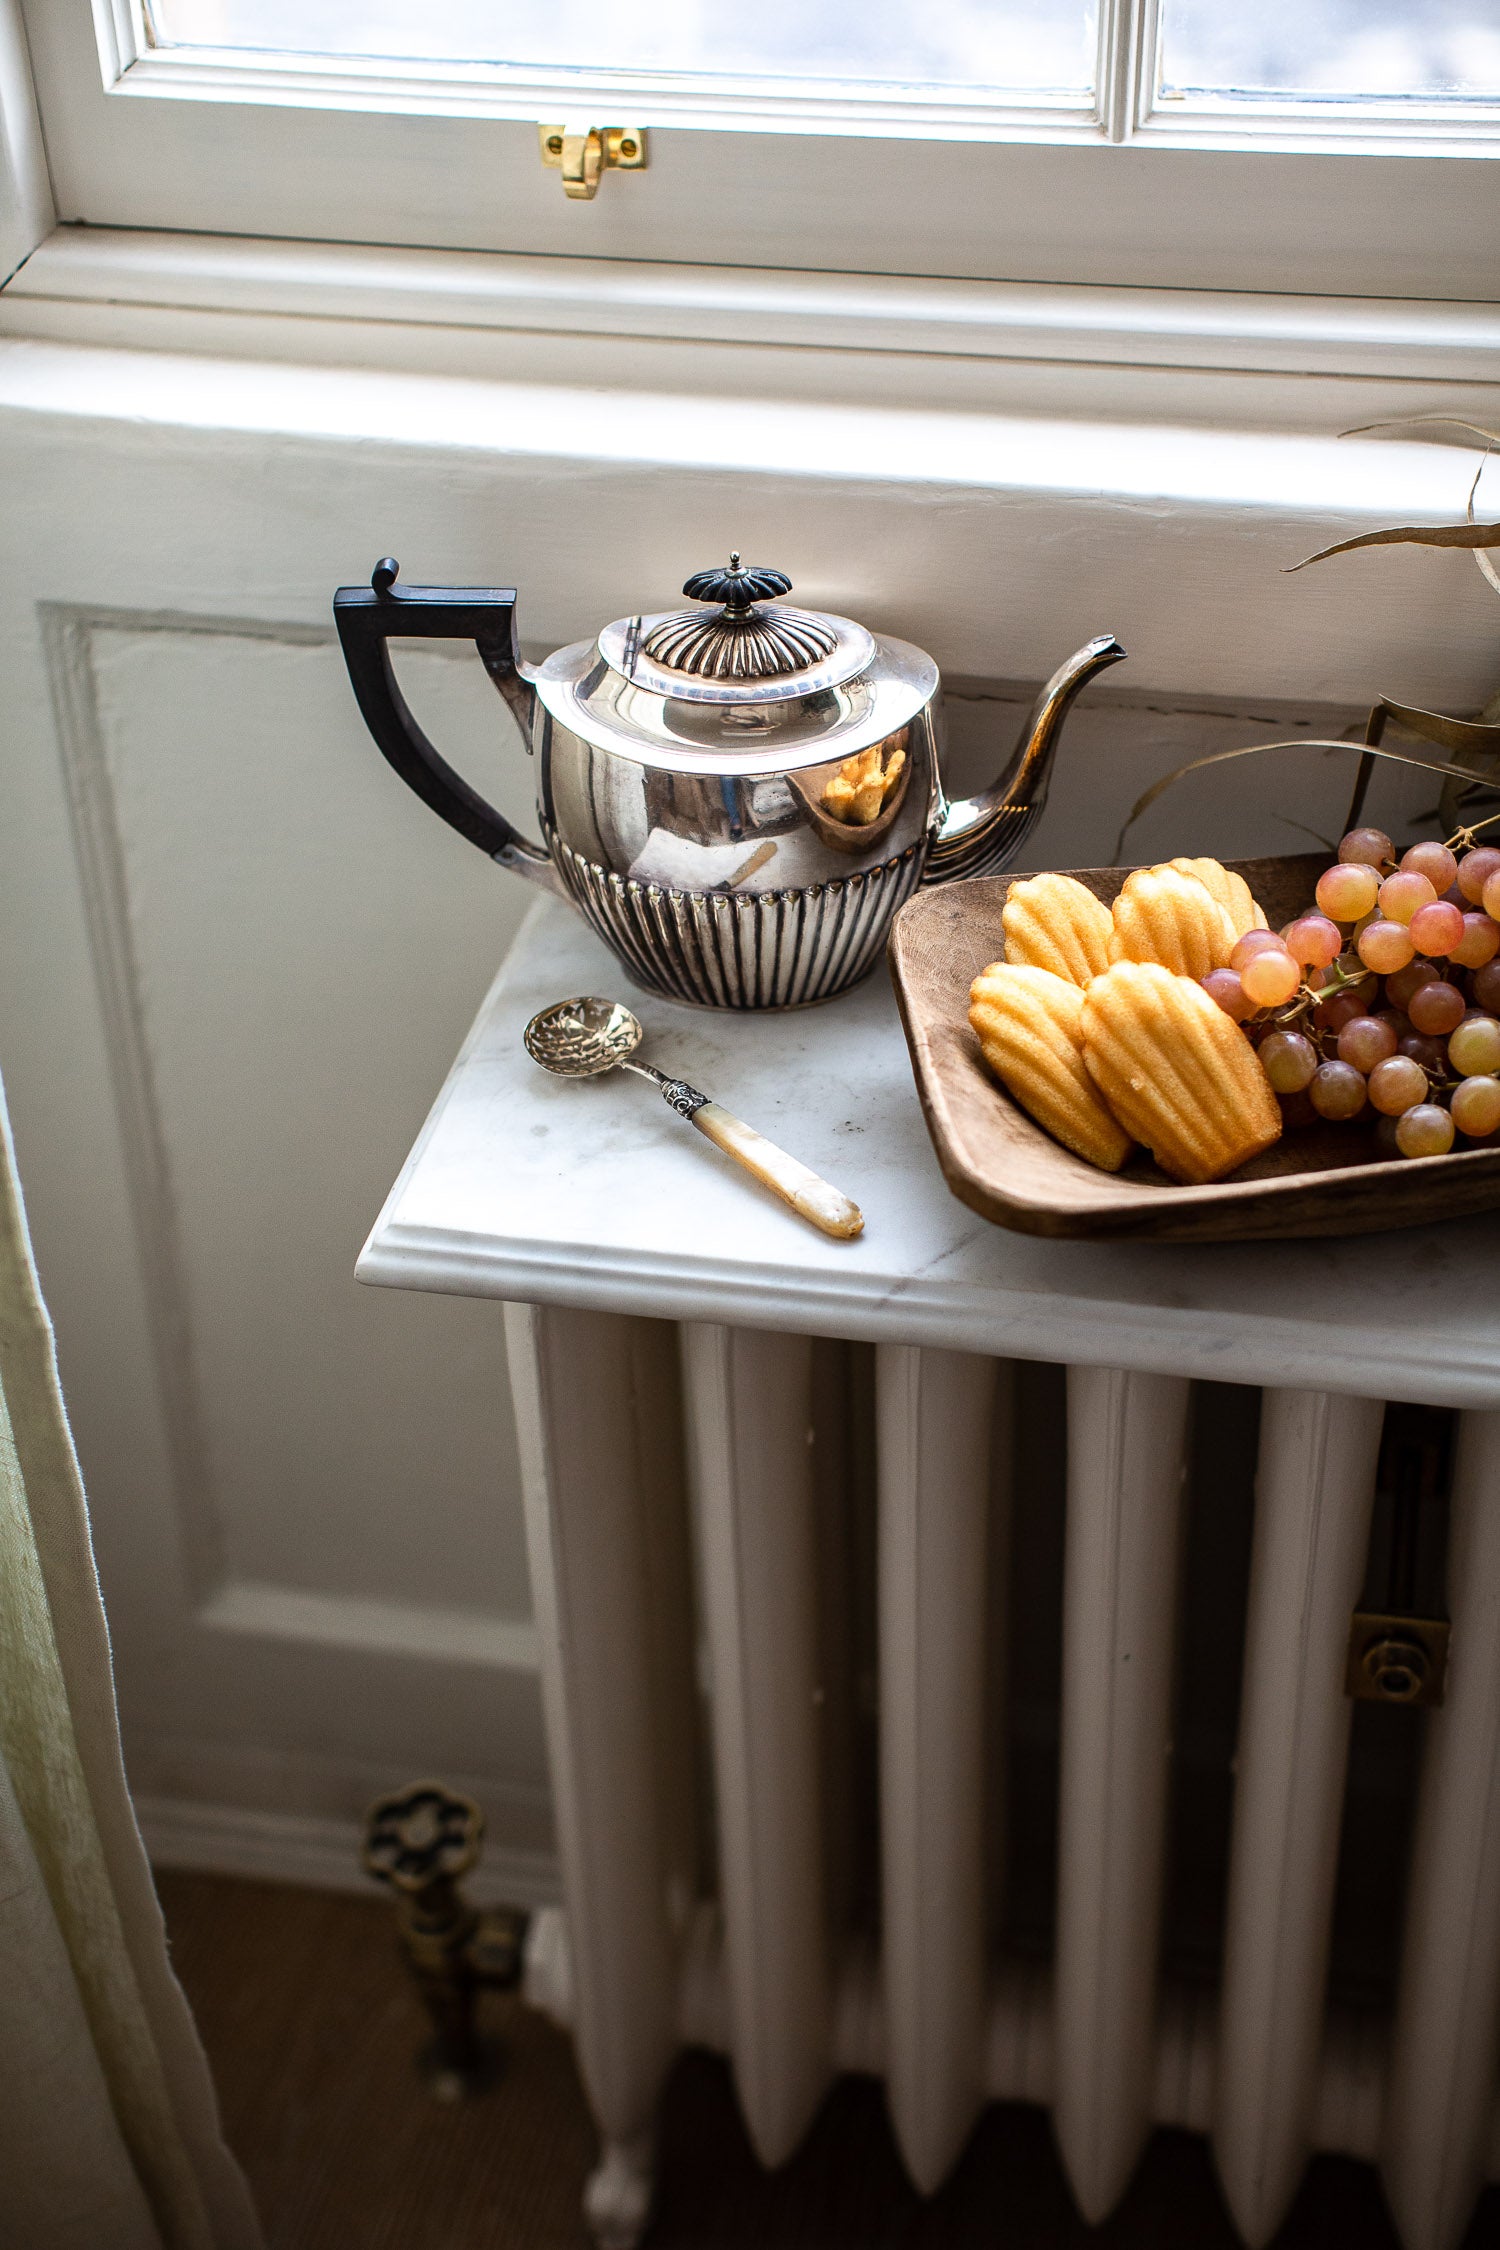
x=277, y=480
x=307, y=1519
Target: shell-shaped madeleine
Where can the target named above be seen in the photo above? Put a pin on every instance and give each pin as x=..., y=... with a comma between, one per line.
x=1175, y=1070
x=1053, y=922
x=1232, y=891
x=1165, y=916
x=1027, y=1023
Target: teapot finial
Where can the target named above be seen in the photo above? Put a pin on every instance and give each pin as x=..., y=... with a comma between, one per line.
x=738, y=588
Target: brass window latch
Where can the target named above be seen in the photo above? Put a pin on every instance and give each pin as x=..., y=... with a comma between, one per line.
x=583, y=153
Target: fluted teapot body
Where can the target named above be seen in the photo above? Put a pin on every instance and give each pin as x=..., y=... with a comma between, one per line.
x=737, y=797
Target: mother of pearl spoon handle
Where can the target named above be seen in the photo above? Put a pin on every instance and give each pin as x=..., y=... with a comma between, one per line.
x=584, y=1038
x=794, y=1182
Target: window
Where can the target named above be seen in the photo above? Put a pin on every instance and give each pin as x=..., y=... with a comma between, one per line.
x=1340, y=146
x=985, y=51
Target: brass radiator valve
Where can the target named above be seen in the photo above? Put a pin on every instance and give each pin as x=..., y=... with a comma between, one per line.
x=420, y=1841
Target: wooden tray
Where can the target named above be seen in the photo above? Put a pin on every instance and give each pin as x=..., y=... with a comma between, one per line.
x=1316, y=1180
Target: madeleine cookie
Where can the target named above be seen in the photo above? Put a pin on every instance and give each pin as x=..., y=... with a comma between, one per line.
x=1052, y=922
x=1176, y=1072
x=1165, y=916
x=1232, y=891
x=1027, y=1023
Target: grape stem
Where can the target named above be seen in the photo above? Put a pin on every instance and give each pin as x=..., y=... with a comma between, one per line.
x=1291, y=1011
x=1462, y=839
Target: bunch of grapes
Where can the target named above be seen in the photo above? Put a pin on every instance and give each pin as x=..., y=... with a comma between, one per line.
x=1385, y=999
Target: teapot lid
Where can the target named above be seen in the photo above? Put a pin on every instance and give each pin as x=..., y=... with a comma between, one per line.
x=748, y=649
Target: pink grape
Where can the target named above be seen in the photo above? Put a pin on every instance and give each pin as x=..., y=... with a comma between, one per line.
x=1223, y=985
x=1475, y=1107
x=1296, y=1109
x=1384, y=946
x=1479, y=943
x=1401, y=895
x=1432, y=1054
x=1337, y=1090
x=1486, y=987
x=1269, y=977
x=1424, y=1130
x=1348, y=892
x=1253, y=942
x=1397, y=1084
x=1435, y=861
x=1405, y=982
x=1474, y=1049
x=1314, y=941
x=1475, y=870
x=1366, y=1042
x=1491, y=898
x=1288, y=1060
x=1366, y=847
x=1437, y=1008
x=1437, y=928
x=1344, y=1007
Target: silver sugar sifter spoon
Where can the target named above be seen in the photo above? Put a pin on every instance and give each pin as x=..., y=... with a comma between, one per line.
x=583, y=1038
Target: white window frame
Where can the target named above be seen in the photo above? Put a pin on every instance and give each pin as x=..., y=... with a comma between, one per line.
x=1124, y=191
x=1125, y=106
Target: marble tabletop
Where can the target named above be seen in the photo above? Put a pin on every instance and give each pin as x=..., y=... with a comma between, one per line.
x=593, y=1193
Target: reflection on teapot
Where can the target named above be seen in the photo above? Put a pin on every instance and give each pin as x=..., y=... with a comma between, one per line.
x=683, y=770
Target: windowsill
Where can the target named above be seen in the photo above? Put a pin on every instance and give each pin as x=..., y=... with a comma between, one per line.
x=992, y=470
x=458, y=291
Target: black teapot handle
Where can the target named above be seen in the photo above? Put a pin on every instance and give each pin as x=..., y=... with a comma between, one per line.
x=368, y=617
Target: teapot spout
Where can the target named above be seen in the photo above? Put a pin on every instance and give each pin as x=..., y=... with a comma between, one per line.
x=980, y=835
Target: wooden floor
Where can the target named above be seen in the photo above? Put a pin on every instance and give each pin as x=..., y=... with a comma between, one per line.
x=311, y=2028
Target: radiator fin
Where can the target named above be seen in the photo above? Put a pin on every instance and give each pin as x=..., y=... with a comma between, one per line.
x=1126, y=1450
x=1438, y=2124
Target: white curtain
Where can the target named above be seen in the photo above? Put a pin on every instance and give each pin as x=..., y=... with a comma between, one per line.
x=109, y=2132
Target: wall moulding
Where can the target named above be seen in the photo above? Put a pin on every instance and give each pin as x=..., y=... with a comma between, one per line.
x=67, y=636
x=426, y=1631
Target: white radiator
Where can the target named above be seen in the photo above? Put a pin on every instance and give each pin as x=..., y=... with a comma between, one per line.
x=703, y=1676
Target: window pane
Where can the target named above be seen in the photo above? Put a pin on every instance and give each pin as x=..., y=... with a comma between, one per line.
x=1035, y=47
x=1331, y=50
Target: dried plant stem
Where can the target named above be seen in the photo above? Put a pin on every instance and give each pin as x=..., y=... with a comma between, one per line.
x=1301, y=742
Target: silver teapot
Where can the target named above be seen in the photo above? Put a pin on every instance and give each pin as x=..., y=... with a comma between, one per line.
x=736, y=797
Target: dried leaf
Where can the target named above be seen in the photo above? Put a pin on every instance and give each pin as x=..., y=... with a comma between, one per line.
x=1486, y=567
x=1301, y=742
x=1479, y=736
x=1410, y=421
x=1412, y=535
